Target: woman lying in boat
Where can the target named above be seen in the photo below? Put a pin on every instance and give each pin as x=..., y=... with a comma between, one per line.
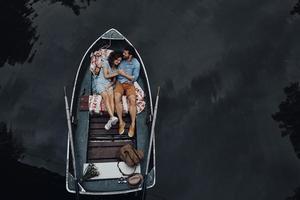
x=103, y=81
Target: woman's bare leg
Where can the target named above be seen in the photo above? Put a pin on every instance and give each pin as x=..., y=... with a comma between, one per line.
x=111, y=101
x=119, y=107
x=107, y=103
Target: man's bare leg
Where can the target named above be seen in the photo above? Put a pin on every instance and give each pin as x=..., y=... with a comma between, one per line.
x=119, y=110
x=132, y=112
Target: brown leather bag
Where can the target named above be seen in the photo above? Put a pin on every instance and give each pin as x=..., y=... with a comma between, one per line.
x=135, y=180
x=130, y=155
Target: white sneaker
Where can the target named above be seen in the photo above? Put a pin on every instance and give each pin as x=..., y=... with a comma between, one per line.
x=114, y=120
x=108, y=125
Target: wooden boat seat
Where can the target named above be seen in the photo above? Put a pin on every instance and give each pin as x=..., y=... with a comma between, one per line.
x=84, y=106
x=98, y=105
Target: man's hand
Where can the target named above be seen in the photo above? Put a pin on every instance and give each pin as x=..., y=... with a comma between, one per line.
x=121, y=72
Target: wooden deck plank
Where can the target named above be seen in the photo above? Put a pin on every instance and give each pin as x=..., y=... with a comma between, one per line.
x=110, y=137
x=108, y=143
x=95, y=132
x=104, y=160
x=101, y=126
x=103, y=153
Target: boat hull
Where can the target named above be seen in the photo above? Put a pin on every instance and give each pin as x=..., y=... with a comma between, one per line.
x=82, y=125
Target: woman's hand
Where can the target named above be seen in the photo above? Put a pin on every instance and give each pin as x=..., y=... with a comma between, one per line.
x=99, y=63
x=96, y=70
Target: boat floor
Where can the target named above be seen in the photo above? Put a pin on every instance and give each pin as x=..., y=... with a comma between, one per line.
x=103, y=145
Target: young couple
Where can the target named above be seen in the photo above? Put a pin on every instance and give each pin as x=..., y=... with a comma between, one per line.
x=112, y=79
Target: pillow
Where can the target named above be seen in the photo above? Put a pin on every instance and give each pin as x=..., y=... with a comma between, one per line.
x=97, y=57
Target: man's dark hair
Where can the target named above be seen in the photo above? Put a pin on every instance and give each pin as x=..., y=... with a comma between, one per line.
x=113, y=56
x=130, y=50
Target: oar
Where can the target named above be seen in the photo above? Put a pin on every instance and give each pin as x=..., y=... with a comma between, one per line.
x=70, y=135
x=144, y=186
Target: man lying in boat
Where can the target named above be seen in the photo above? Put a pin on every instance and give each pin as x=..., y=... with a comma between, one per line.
x=104, y=78
x=129, y=70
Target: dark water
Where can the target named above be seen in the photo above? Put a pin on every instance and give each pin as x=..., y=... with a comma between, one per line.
x=222, y=66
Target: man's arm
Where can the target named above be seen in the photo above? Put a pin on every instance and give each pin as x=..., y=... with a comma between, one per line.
x=136, y=71
x=122, y=73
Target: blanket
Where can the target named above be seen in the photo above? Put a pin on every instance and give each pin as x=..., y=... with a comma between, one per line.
x=96, y=105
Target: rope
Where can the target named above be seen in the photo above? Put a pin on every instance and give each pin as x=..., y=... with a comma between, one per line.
x=124, y=174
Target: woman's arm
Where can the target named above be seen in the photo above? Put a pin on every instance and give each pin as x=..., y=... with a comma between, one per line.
x=107, y=75
x=112, y=82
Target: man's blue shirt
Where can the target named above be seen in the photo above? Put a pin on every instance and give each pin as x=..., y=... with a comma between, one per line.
x=131, y=68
